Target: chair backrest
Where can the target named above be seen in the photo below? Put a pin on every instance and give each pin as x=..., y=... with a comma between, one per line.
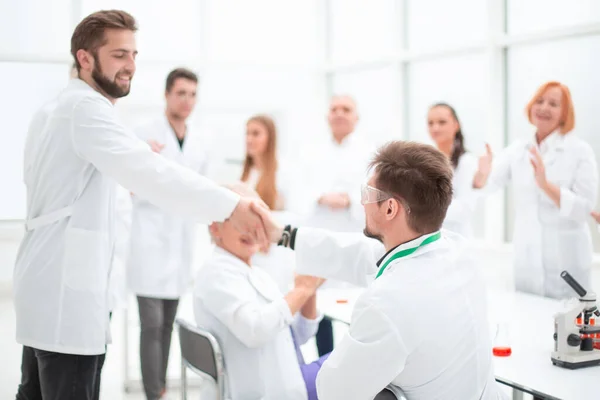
x=385, y=394
x=200, y=350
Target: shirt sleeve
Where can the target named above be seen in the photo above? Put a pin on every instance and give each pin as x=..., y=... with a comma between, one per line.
x=349, y=257
x=101, y=140
x=232, y=300
x=370, y=356
x=578, y=199
x=305, y=328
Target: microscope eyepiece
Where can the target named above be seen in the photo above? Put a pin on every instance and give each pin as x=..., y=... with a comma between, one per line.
x=573, y=283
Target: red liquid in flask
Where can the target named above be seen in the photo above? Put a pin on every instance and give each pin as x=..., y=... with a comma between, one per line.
x=502, y=351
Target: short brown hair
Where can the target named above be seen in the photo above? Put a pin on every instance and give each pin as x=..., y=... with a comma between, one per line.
x=180, y=73
x=89, y=34
x=419, y=175
x=567, y=118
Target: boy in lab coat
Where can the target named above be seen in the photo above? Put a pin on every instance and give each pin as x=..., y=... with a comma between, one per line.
x=259, y=329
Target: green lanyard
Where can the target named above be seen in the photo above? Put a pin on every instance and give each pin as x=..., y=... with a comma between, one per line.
x=406, y=252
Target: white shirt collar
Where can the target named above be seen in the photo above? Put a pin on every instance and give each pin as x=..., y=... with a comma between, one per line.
x=404, y=246
x=347, y=142
x=552, y=141
x=220, y=252
x=80, y=84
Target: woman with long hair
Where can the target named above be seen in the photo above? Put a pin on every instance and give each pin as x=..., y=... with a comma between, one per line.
x=445, y=130
x=260, y=165
x=262, y=173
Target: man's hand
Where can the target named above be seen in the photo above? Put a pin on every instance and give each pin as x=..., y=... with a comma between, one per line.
x=272, y=228
x=596, y=216
x=308, y=283
x=246, y=219
x=155, y=146
x=335, y=201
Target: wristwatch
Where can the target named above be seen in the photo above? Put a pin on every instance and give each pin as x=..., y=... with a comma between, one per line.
x=288, y=237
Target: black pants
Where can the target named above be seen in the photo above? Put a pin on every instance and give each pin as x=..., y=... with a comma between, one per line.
x=324, y=337
x=156, y=318
x=56, y=376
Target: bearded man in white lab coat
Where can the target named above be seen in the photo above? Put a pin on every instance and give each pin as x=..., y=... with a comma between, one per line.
x=421, y=325
x=73, y=161
x=162, y=242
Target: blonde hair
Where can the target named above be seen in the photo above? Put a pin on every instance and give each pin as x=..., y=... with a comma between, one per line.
x=567, y=119
x=266, y=186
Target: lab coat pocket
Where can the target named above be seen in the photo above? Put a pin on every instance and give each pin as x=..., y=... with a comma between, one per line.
x=86, y=260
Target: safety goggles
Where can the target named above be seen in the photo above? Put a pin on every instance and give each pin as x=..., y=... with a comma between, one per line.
x=369, y=194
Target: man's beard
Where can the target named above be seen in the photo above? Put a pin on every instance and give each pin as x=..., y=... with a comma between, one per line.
x=106, y=85
x=372, y=235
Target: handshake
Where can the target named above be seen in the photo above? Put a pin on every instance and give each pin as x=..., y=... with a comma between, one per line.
x=252, y=217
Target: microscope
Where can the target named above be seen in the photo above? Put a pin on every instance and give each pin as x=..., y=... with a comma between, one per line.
x=576, y=336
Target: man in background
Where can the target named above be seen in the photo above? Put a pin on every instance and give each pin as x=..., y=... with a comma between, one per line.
x=336, y=173
x=162, y=242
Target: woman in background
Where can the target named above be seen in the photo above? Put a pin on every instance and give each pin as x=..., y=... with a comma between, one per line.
x=260, y=165
x=555, y=182
x=262, y=173
x=446, y=132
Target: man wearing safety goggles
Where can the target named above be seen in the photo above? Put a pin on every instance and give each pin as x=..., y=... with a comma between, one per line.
x=420, y=326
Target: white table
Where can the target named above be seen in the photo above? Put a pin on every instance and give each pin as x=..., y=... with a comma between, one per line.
x=531, y=328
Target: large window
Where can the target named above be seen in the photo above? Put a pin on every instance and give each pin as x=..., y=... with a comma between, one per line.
x=458, y=81
x=25, y=87
x=483, y=57
x=438, y=24
x=264, y=31
x=376, y=94
x=395, y=57
x=543, y=15
x=362, y=30
x=37, y=28
x=168, y=30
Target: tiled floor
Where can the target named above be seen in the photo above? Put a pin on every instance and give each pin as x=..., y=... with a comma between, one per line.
x=113, y=378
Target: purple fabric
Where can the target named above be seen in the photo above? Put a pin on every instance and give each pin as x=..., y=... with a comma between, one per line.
x=309, y=371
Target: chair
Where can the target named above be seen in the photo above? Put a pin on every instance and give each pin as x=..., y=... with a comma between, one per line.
x=201, y=353
x=386, y=394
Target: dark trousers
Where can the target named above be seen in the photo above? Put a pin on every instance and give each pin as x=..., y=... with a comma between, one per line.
x=156, y=317
x=55, y=376
x=324, y=337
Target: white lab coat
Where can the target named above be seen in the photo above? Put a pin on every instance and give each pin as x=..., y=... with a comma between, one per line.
x=117, y=284
x=71, y=164
x=421, y=326
x=243, y=308
x=459, y=217
x=279, y=262
x=337, y=168
x=162, y=242
x=548, y=239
